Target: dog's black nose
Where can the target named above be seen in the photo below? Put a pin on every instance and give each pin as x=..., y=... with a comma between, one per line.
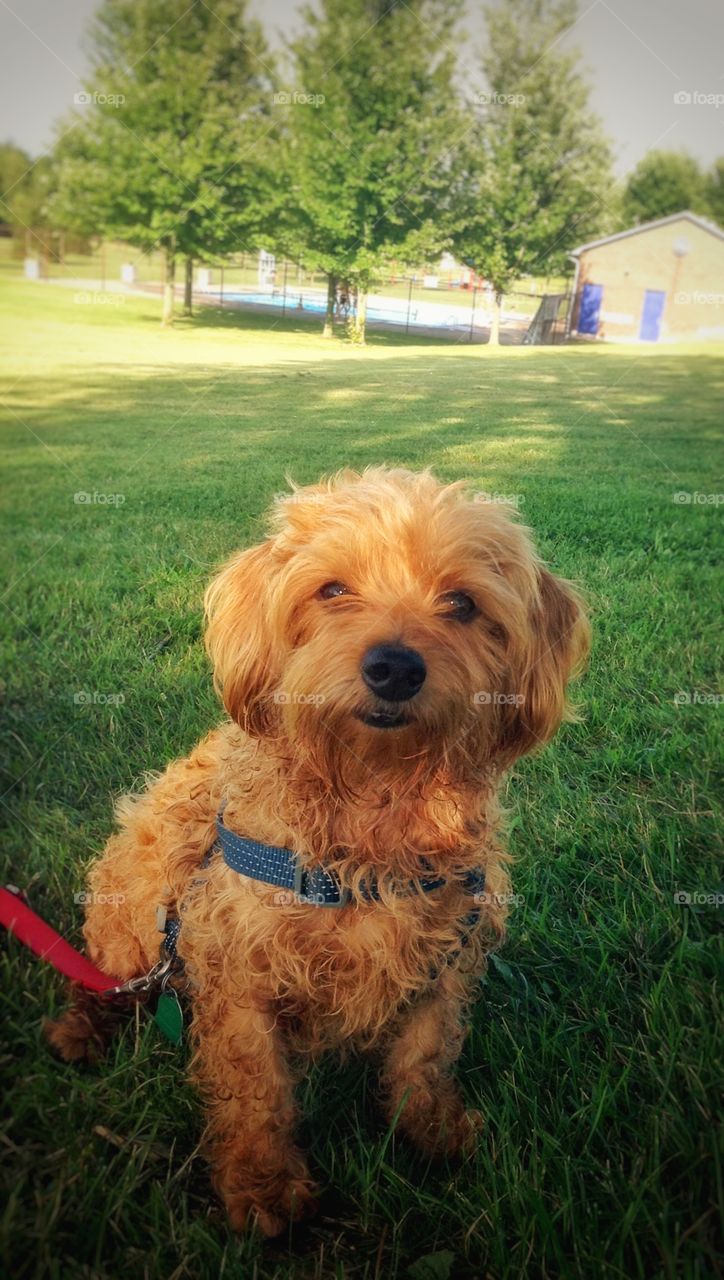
x=393, y=673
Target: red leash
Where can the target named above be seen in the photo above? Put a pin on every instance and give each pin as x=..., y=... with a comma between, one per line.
x=33, y=932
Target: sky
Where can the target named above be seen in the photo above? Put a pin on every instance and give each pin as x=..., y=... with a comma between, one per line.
x=639, y=55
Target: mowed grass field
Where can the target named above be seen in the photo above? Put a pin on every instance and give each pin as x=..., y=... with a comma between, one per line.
x=595, y=1050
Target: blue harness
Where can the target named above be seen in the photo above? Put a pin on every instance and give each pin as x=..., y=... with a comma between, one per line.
x=271, y=864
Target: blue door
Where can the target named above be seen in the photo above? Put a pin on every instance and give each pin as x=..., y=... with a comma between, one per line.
x=653, y=310
x=590, y=307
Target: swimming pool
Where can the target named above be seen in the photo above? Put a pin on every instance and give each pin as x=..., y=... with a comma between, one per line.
x=387, y=310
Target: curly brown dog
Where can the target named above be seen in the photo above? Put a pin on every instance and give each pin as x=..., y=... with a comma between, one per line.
x=385, y=655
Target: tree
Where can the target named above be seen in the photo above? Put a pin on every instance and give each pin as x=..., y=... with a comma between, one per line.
x=167, y=146
x=25, y=186
x=536, y=167
x=714, y=191
x=663, y=182
x=15, y=168
x=369, y=131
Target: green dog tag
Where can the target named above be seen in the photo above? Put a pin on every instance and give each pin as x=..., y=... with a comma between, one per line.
x=168, y=1016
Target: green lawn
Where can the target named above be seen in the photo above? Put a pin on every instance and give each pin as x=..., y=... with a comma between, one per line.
x=594, y=1046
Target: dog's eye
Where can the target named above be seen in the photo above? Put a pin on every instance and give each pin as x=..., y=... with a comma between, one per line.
x=457, y=605
x=331, y=590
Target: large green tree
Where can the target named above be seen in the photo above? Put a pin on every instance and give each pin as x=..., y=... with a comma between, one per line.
x=664, y=182
x=168, y=147
x=371, y=119
x=537, y=167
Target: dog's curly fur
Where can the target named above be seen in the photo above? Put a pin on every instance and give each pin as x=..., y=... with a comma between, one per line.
x=274, y=980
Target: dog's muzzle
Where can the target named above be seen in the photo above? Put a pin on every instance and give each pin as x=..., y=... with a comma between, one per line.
x=393, y=673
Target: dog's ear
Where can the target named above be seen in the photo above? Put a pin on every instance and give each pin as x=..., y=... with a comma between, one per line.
x=238, y=637
x=556, y=647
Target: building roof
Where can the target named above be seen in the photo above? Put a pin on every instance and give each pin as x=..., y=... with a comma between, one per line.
x=649, y=226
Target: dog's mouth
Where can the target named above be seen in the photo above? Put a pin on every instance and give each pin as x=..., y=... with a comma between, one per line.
x=383, y=719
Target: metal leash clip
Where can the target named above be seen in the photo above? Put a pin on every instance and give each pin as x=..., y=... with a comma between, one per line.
x=158, y=975
x=168, y=1014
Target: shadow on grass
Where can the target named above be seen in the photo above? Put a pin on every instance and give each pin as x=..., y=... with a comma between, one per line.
x=230, y=430
x=191, y=458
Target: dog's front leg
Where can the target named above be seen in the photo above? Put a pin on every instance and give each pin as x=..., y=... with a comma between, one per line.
x=417, y=1072
x=241, y=1068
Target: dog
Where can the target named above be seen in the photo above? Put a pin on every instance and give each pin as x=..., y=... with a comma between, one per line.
x=388, y=651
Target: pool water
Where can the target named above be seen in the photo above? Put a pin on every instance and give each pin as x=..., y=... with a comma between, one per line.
x=428, y=314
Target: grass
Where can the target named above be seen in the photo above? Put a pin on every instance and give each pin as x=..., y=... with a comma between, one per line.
x=594, y=1046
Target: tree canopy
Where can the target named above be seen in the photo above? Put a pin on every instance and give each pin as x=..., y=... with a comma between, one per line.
x=168, y=145
x=537, y=167
x=371, y=122
x=664, y=182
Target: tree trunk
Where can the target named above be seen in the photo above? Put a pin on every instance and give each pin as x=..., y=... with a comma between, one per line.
x=494, y=338
x=328, y=330
x=357, y=325
x=168, y=287
x=189, y=287
x=361, y=316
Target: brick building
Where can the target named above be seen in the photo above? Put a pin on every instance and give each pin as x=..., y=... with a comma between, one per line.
x=661, y=281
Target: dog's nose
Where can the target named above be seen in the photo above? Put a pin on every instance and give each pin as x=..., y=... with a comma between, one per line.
x=393, y=673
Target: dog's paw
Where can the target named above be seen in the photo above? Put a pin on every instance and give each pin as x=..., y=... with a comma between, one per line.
x=444, y=1130
x=269, y=1194
x=454, y=1133
x=83, y=1032
x=295, y=1200
x=74, y=1037
x=467, y=1133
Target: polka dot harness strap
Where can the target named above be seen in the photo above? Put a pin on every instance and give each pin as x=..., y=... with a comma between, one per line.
x=272, y=864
